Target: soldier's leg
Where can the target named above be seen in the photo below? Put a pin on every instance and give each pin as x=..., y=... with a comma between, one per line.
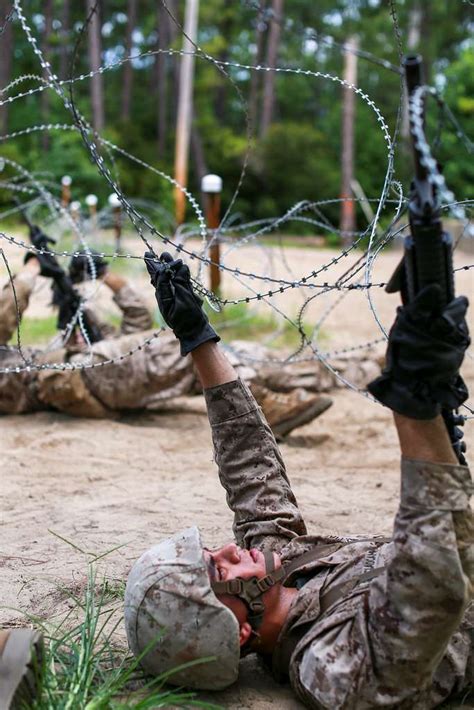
x=66, y=391
x=287, y=411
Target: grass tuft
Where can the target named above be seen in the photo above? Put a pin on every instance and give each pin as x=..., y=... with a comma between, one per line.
x=34, y=331
x=241, y=322
x=85, y=668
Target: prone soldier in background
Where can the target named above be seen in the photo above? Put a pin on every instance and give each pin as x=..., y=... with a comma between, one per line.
x=154, y=373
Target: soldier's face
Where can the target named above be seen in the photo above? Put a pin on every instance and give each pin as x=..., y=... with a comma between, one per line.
x=232, y=561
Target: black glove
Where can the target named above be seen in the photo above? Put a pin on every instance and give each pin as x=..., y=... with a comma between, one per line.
x=68, y=304
x=80, y=266
x=49, y=265
x=426, y=347
x=178, y=304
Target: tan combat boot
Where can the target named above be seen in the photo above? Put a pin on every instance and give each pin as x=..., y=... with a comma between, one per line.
x=20, y=667
x=285, y=412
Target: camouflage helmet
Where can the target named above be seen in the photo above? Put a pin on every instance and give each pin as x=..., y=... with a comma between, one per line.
x=169, y=601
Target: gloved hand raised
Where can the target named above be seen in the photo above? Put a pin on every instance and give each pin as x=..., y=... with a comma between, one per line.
x=68, y=303
x=178, y=304
x=80, y=266
x=426, y=347
x=49, y=265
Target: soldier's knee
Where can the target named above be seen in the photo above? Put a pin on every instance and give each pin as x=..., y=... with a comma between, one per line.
x=67, y=392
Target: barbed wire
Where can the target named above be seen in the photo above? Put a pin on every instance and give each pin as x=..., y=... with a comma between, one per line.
x=357, y=277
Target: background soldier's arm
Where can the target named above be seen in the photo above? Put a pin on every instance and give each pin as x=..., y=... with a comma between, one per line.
x=250, y=465
x=23, y=283
x=136, y=316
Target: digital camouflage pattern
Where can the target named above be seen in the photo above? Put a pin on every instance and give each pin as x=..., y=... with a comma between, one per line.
x=155, y=373
x=403, y=639
x=171, y=581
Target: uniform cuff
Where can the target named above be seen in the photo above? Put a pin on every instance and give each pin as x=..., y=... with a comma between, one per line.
x=229, y=401
x=435, y=486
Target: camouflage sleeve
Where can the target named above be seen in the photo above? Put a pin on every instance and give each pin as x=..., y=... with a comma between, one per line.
x=251, y=469
x=23, y=284
x=136, y=316
x=383, y=649
x=416, y=606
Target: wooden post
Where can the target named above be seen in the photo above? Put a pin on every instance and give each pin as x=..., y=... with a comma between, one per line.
x=66, y=182
x=211, y=186
x=116, y=206
x=91, y=202
x=185, y=107
x=76, y=210
x=347, y=219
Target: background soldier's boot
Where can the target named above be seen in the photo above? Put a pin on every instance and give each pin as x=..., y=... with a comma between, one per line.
x=285, y=412
x=20, y=667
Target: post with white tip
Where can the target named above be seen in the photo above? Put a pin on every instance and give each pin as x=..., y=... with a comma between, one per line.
x=91, y=202
x=116, y=206
x=211, y=186
x=75, y=209
x=66, y=182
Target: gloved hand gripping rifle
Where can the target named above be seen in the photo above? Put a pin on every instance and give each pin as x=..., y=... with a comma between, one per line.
x=36, y=232
x=69, y=300
x=427, y=249
x=66, y=297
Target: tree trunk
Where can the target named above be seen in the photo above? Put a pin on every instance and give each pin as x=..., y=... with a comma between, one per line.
x=255, y=77
x=174, y=33
x=185, y=106
x=224, y=29
x=46, y=96
x=6, y=53
x=271, y=60
x=161, y=65
x=197, y=149
x=127, y=67
x=65, y=39
x=95, y=53
x=347, y=223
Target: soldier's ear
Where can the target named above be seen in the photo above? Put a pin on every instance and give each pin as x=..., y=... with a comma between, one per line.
x=244, y=633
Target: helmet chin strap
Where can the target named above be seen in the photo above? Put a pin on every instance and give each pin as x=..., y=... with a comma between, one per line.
x=251, y=590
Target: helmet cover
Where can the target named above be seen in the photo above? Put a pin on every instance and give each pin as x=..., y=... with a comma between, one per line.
x=171, y=609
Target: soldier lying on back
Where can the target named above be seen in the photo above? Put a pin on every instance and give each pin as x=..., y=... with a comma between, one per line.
x=352, y=622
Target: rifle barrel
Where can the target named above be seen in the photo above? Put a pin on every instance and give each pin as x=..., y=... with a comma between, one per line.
x=413, y=65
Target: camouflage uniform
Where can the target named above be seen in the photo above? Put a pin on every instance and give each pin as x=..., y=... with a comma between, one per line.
x=403, y=639
x=153, y=374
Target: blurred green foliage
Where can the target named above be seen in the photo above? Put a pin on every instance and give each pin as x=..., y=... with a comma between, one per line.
x=299, y=157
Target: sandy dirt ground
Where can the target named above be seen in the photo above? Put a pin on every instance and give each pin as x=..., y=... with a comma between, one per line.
x=134, y=480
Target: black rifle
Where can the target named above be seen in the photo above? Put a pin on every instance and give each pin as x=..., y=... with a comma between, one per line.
x=36, y=233
x=64, y=294
x=428, y=249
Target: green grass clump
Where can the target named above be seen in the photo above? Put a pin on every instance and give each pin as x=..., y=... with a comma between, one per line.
x=84, y=668
x=239, y=322
x=34, y=331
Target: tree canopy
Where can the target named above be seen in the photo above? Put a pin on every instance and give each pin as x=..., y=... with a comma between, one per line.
x=295, y=120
